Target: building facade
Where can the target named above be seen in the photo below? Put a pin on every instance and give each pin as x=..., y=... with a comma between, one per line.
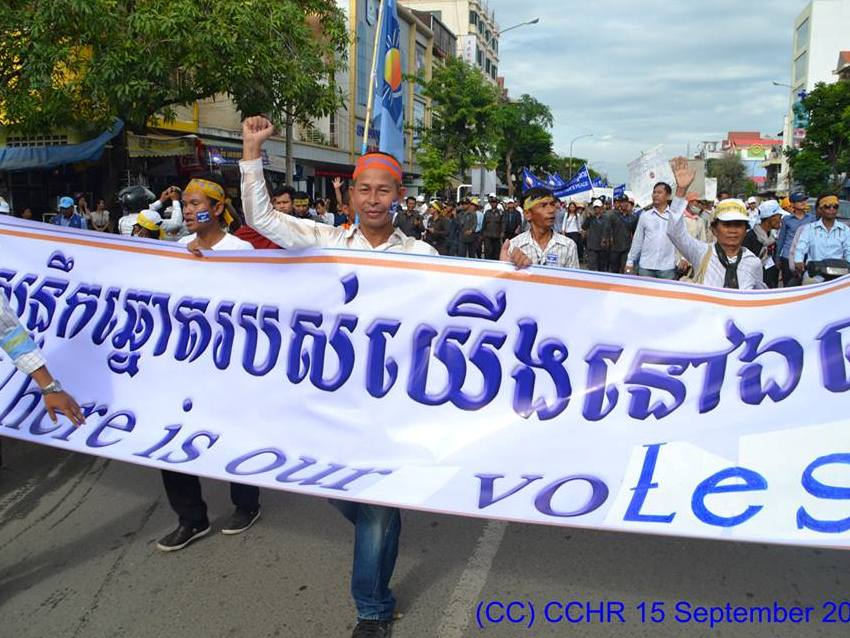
x=821, y=32
x=474, y=24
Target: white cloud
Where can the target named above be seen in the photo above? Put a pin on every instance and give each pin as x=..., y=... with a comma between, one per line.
x=637, y=74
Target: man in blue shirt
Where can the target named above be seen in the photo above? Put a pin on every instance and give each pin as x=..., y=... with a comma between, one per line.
x=790, y=224
x=67, y=217
x=825, y=238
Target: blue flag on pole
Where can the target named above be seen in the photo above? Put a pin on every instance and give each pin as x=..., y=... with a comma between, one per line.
x=580, y=183
x=389, y=83
x=529, y=180
x=600, y=182
x=620, y=190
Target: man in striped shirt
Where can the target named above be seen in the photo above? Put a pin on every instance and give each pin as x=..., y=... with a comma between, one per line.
x=540, y=245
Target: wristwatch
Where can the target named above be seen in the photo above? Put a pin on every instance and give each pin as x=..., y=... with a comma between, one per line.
x=52, y=388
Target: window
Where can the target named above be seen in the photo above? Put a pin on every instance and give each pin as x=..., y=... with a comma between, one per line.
x=364, y=63
x=421, y=56
x=473, y=18
x=801, y=68
x=801, y=38
x=418, y=120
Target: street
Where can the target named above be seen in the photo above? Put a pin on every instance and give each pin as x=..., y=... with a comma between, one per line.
x=78, y=559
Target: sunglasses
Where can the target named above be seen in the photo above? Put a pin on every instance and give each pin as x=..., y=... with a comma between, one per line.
x=833, y=206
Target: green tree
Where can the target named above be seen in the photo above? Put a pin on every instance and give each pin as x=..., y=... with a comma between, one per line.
x=730, y=172
x=525, y=138
x=82, y=63
x=463, y=128
x=823, y=160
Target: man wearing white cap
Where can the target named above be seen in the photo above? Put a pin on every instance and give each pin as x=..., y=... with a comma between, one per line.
x=726, y=263
x=68, y=217
x=753, y=211
x=596, y=230
x=761, y=240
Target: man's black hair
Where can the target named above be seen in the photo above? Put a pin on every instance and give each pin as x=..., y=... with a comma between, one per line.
x=666, y=186
x=536, y=193
x=302, y=195
x=284, y=190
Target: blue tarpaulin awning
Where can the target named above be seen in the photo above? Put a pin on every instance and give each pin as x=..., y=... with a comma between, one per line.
x=23, y=158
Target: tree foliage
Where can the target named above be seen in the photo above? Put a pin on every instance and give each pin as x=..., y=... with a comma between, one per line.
x=823, y=161
x=84, y=62
x=463, y=119
x=524, y=136
x=730, y=172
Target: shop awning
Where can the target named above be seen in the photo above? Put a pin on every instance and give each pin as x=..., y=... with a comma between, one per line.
x=23, y=158
x=160, y=146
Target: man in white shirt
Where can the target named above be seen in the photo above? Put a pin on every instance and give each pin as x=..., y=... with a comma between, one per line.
x=172, y=226
x=207, y=219
x=724, y=263
x=650, y=246
x=753, y=211
x=376, y=185
x=133, y=199
x=540, y=245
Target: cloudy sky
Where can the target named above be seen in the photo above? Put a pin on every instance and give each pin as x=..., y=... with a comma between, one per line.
x=637, y=74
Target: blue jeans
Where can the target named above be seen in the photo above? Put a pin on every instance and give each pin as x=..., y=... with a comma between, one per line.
x=657, y=274
x=376, y=532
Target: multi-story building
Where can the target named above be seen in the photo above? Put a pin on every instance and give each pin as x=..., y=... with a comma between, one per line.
x=821, y=32
x=476, y=28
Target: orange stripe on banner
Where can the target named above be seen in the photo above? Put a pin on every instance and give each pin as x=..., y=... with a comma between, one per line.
x=469, y=271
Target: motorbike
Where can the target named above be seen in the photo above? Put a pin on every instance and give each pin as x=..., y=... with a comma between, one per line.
x=825, y=270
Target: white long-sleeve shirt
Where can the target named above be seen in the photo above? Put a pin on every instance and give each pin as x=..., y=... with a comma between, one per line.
x=174, y=228
x=291, y=232
x=750, y=275
x=650, y=245
x=16, y=342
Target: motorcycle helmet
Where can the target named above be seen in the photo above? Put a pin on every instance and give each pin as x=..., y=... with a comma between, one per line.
x=134, y=199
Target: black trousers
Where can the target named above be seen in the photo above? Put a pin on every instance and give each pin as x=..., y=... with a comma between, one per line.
x=577, y=238
x=492, y=248
x=597, y=260
x=184, y=494
x=790, y=277
x=771, y=277
x=617, y=261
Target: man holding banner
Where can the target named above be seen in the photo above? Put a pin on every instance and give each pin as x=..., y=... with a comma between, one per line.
x=725, y=263
x=26, y=356
x=376, y=185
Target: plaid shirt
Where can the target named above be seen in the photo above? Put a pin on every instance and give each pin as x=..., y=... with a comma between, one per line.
x=560, y=252
x=15, y=341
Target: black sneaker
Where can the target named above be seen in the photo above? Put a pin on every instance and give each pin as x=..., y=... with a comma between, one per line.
x=239, y=521
x=373, y=629
x=182, y=536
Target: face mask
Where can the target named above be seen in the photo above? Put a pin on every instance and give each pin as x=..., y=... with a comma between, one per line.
x=696, y=210
x=203, y=216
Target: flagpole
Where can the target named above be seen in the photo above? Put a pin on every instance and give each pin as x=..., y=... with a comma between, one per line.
x=370, y=103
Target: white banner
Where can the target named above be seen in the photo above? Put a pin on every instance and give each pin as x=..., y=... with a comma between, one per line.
x=710, y=189
x=450, y=385
x=645, y=172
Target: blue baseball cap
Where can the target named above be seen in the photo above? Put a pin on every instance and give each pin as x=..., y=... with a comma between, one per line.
x=66, y=202
x=795, y=198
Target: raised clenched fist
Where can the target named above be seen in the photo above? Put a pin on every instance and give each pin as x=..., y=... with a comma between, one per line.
x=256, y=130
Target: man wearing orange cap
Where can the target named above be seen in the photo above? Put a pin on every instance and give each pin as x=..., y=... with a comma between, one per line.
x=376, y=185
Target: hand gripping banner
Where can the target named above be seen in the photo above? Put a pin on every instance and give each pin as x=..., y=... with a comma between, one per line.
x=448, y=385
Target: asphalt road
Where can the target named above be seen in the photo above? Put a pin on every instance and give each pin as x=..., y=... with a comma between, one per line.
x=78, y=559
